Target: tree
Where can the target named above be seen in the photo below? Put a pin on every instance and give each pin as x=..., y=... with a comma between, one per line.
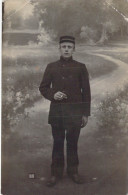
x=68, y=17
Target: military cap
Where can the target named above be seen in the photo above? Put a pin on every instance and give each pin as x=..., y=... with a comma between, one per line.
x=70, y=39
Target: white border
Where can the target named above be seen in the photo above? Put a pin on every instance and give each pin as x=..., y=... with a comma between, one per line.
x=0, y=80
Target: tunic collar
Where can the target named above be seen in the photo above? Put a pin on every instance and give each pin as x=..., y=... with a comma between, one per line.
x=66, y=61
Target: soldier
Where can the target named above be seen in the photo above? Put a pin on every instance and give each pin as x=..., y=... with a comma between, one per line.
x=66, y=84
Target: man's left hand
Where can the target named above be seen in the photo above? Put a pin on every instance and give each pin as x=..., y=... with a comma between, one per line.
x=84, y=121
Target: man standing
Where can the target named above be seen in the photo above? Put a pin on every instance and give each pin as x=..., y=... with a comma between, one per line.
x=66, y=84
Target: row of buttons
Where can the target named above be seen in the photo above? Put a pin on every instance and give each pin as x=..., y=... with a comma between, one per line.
x=66, y=77
x=63, y=76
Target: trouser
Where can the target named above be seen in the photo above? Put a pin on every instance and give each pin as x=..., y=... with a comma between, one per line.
x=72, y=135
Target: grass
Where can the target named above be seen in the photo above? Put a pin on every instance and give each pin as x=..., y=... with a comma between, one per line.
x=96, y=65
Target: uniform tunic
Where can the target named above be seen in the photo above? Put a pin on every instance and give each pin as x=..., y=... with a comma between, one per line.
x=70, y=77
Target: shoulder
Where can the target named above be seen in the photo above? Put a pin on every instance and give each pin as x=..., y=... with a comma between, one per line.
x=82, y=67
x=53, y=63
x=80, y=64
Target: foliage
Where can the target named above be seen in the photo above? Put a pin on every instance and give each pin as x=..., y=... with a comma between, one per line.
x=45, y=37
x=113, y=113
x=67, y=17
x=20, y=90
x=88, y=34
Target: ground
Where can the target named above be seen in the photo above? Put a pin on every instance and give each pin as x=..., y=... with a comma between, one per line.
x=28, y=149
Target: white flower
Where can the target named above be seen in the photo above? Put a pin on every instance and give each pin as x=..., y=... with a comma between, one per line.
x=19, y=104
x=110, y=109
x=18, y=94
x=126, y=125
x=117, y=101
x=125, y=130
x=101, y=104
x=18, y=98
x=118, y=108
x=27, y=96
x=123, y=105
x=12, y=122
x=127, y=108
x=121, y=123
x=8, y=117
x=10, y=99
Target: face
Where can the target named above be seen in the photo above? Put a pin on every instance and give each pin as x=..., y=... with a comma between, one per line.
x=67, y=49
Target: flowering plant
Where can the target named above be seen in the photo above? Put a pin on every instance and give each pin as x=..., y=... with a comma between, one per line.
x=113, y=113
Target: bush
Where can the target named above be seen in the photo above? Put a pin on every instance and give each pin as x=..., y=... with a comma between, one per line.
x=113, y=115
x=20, y=90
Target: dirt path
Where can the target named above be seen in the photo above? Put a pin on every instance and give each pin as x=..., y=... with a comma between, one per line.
x=111, y=82
x=100, y=86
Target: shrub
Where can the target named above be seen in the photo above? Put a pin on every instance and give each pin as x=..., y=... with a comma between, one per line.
x=113, y=113
x=20, y=90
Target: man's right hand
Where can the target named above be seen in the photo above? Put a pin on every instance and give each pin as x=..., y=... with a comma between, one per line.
x=60, y=95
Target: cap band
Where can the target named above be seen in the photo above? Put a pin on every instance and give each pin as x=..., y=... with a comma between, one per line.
x=67, y=39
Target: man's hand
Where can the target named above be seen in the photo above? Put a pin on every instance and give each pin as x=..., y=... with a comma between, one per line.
x=84, y=121
x=60, y=95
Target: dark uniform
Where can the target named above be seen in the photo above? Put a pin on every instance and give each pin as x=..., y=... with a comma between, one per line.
x=70, y=77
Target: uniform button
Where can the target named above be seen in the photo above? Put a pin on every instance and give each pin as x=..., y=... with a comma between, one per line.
x=63, y=65
x=63, y=77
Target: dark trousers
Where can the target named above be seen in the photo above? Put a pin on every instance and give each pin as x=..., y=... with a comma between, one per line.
x=72, y=135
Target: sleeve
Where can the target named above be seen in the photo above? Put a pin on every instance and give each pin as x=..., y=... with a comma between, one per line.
x=45, y=86
x=86, y=93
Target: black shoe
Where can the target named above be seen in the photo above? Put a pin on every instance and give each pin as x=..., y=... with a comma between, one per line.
x=52, y=181
x=77, y=178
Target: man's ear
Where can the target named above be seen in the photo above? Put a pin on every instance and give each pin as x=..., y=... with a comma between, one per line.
x=59, y=47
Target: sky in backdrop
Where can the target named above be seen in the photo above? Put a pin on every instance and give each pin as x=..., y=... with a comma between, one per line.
x=19, y=14
x=23, y=8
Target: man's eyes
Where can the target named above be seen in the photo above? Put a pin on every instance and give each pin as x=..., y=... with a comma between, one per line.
x=69, y=47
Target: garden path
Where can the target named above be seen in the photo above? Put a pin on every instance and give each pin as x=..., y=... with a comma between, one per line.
x=111, y=82
x=99, y=86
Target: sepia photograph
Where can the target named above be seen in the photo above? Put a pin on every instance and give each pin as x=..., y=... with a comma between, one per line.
x=64, y=97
